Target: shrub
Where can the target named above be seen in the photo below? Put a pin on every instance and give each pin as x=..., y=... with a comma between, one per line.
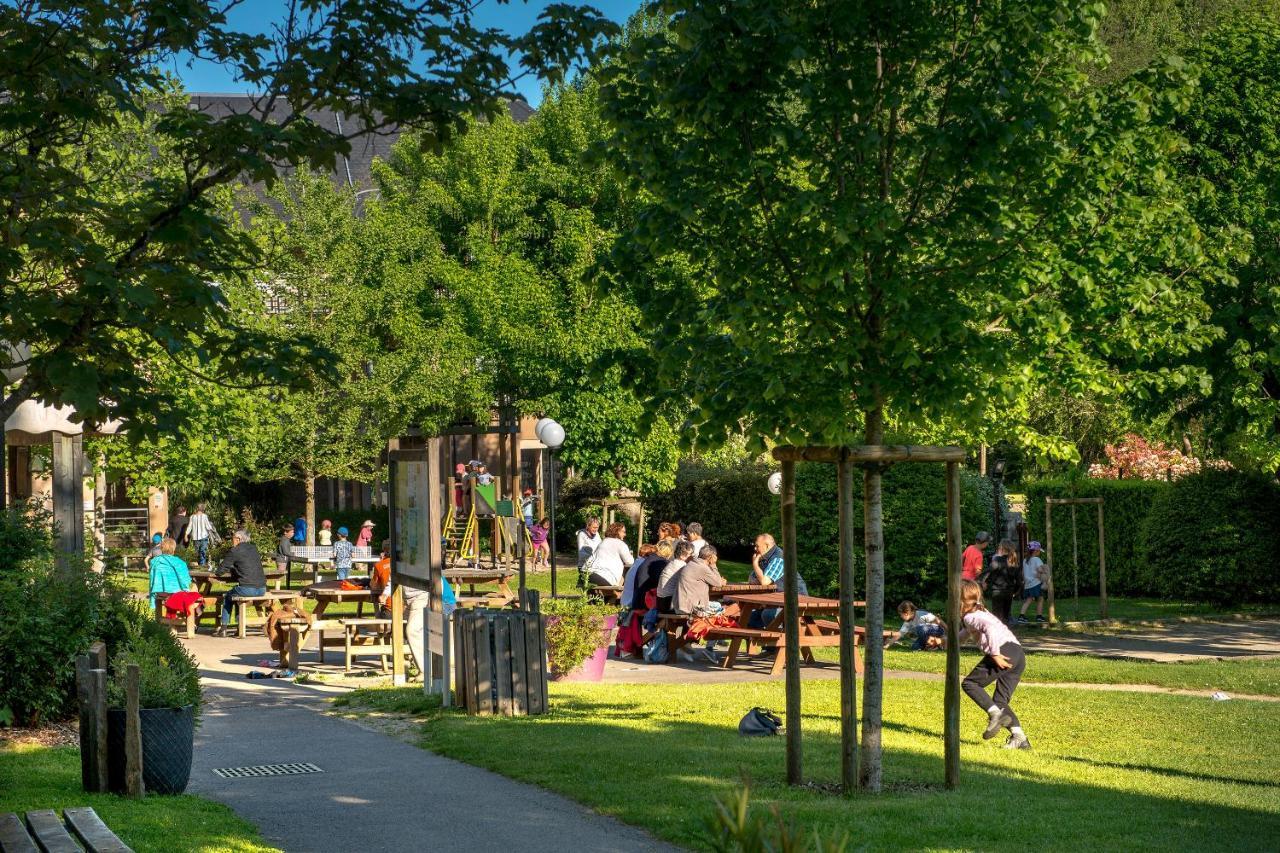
x=1214, y=536
x=48, y=615
x=168, y=675
x=574, y=631
x=915, y=527
x=729, y=504
x=1125, y=508
x=573, y=508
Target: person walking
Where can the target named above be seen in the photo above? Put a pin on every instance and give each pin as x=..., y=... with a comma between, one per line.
x=1002, y=580
x=178, y=525
x=971, y=561
x=243, y=567
x=199, y=530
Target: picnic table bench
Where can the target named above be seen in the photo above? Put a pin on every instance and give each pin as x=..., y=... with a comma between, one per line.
x=471, y=578
x=605, y=594
x=43, y=831
x=331, y=592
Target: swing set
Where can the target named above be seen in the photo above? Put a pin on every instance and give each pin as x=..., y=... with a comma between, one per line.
x=1049, y=504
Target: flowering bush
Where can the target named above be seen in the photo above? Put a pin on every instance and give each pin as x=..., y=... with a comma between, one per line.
x=1135, y=458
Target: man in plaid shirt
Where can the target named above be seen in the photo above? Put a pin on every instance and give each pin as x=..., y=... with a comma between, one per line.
x=768, y=567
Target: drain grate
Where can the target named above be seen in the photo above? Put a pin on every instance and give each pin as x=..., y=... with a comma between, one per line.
x=265, y=770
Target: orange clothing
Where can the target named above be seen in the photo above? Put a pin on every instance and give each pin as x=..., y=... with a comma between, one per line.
x=380, y=579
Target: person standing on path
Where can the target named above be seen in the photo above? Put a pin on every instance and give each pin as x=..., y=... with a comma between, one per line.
x=1034, y=574
x=1002, y=580
x=364, y=539
x=971, y=561
x=199, y=529
x=299, y=531
x=178, y=525
x=1003, y=662
x=243, y=565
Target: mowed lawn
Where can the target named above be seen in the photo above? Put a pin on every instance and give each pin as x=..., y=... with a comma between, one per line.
x=1109, y=770
x=41, y=777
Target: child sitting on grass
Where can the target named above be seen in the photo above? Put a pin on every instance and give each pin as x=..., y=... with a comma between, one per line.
x=1002, y=662
x=929, y=631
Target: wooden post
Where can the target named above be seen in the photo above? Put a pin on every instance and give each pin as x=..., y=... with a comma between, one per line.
x=132, y=733
x=1048, y=553
x=848, y=678
x=791, y=619
x=397, y=636
x=951, y=689
x=68, y=494
x=1102, y=564
x=98, y=697
x=84, y=703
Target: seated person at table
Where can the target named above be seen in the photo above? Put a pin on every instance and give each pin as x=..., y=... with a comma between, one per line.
x=243, y=567
x=695, y=581
x=929, y=631
x=646, y=577
x=343, y=551
x=168, y=574
x=695, y=538
x=769, y=567
x=380, y=583
x=612, y=557
x=284, y=548
x=670, y=575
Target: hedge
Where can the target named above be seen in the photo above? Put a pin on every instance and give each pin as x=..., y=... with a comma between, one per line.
x=915, y=524
x=728, y=504
x=1125, y=508
x=1214, y=536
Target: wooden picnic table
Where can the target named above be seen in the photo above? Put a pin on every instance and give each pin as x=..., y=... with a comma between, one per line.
x=719, y=592
x=471, y=578
x=814, y=631
x=204, y=580
x=331, y=592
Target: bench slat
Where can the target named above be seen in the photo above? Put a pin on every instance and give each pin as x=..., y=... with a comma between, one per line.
x=49, y=832
x=13, y=835
x=745, y=633
x=85, y=824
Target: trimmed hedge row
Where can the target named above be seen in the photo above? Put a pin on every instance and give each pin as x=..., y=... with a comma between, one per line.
x=728, y=504
x=915, y=523
x=1126, y=506
x=1212, y=536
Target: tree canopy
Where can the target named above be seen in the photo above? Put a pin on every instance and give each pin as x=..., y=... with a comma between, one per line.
x=110, y=248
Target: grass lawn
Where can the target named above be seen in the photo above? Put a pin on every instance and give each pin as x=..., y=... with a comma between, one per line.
x=1110, y=771
x=41, y=777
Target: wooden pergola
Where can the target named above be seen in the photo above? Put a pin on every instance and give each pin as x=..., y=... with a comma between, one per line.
x=846, y=459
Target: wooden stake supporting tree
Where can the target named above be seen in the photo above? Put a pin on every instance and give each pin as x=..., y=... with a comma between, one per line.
x=873, y=459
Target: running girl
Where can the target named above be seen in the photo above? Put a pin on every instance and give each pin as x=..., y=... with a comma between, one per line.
x=1002, y=662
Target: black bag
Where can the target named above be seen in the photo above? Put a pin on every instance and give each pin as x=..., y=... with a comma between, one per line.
x=758, y=722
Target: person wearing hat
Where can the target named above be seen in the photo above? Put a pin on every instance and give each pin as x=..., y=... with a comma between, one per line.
x=364, y=538
x=342, y=552
x=1035, y=575
x=971, y=562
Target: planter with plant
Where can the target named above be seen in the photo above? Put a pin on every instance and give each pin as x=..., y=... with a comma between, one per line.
x=169, y=702
x=578, y=637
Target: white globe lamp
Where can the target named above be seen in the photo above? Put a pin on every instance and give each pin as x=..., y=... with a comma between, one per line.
x=775, y=482
x=552, y=435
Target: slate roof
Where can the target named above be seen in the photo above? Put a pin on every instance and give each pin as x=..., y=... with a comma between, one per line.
x=355, y=170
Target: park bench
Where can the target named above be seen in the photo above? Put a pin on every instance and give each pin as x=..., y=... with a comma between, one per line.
x=43, y=831
x=367, y=637
x=259, y=603
x=605, y=594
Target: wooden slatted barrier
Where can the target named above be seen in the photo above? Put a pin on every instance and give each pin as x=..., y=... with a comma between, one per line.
x=500, y=660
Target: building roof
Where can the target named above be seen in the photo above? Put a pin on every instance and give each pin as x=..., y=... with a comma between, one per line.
x=354, y=170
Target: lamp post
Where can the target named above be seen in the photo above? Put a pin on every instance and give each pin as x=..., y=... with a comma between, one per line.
x=997, y=476
x=551, y=434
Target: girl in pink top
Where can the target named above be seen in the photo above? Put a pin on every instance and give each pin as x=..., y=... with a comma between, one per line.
x=1002, y=662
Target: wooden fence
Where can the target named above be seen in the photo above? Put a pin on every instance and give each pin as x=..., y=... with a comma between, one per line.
x=91, y=696
x=500, y=660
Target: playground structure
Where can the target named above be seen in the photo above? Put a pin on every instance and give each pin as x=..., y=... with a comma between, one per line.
x=846, y=459
x=463, y=541
x=1049, y=504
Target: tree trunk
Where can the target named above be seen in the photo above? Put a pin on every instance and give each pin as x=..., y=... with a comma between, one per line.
x=309, y=485
x=99, y=513
x=873, y=670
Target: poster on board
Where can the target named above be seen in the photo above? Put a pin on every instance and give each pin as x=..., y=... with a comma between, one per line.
x=410, y=518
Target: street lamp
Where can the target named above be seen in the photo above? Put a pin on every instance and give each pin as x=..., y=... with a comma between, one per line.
x=997, y=476
x=775, y=482
x=551, y=434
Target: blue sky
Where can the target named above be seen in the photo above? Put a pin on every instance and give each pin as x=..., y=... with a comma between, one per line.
x=259, y=15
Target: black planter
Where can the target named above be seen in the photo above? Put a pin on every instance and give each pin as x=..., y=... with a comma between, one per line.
x=167, y=738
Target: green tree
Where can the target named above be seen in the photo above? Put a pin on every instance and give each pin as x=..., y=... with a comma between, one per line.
x=100, y=279
x=507, y=222
x=1138, y=32
x=905, y=211
x=1232, y=168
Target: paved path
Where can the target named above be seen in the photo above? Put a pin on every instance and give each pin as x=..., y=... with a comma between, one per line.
x=376, y=793
x=1181, y=641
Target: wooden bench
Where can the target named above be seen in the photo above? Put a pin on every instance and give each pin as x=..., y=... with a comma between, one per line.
x=44, y=831
x=259, y=603
x=187, y=623
x=358, y=643
x=605, y=594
